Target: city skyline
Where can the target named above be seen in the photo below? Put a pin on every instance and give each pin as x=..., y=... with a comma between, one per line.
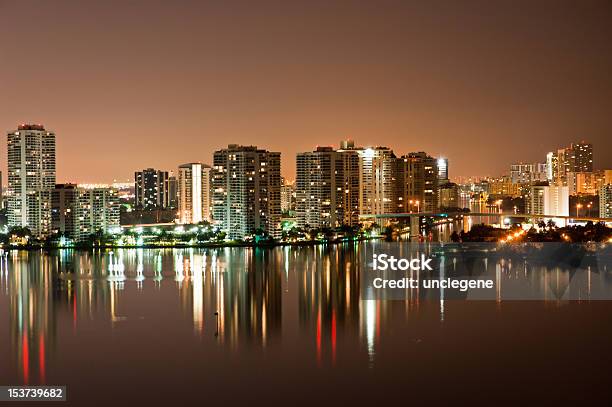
x=172, y=82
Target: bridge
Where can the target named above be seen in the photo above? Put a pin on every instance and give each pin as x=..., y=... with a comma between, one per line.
x=416, y=216
x=481, y=214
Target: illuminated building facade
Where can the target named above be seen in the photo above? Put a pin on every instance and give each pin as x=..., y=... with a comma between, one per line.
x=246, y=186
x=194, y=197
x=151, y=189
x=548, y=200
x=418, y=177
x=98, y=210
x=31, y=177
x=521, y=173
x=327, y=188
x=378, y=188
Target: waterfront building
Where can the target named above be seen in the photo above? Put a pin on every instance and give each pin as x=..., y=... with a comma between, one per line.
x=548, y=200
x=378, y=188
x=31, y=176
x=151, y=189
x=417, y=183
x=288, y=196
x=194, y=193
x=327, y=188
x=98, y=210
x=246, y=186
x=64, y=213
x=77, y=212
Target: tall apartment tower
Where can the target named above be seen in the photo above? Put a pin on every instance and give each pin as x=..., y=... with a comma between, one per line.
x=442, y=171
x=578, y=157
x=418, y=183
x=31, y=177
x=151, y=189
x=378, y=189
x=327, y=188
x=194, y=193
x=64, y=213
x=246, y=191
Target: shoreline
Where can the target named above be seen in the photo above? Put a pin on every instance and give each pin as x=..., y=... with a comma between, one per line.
x=219, y=245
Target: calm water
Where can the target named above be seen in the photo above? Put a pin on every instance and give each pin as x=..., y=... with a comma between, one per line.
x=272, y=326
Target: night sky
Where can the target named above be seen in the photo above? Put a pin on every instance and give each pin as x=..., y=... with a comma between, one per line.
x=129, y=84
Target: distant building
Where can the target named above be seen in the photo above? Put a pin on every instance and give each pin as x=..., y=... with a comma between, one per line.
x=194, y=193
x=548, y=200
x=288, y=196
x=418, y=178
x=151, y=189
x=578, y=157
x=521, y=173
x=327, y=188
x=31, y=177
x=64, y=210
x=449, y=195
x=246, y=185
x=605, y=201
x=503, y=187
x=586, y=183
x=172, y=192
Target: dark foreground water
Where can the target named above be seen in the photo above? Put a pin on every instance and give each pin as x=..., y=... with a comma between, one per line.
x=282, y=326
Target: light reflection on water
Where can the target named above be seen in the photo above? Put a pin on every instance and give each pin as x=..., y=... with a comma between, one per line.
x=300, y=304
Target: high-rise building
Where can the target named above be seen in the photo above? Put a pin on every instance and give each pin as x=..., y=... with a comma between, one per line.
x=64, y=210
x=378, y=183
x=548, y=200
x=578, y=157
x=98, y=210
x=246, y=191
x=78, y=212
x=151, y=189
x=31, y=177
x=605, y=201
x=418, y=183
x=327, y=188
x=194, y=193
x=442, y=171
x=521, y=173
x=172, y=192
x=287, y=196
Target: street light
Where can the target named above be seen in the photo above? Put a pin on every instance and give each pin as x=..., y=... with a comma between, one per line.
x=410, y=202
x=418, y=206
x=578, y=206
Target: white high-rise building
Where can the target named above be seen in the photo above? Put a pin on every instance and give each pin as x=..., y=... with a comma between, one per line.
x=549, y=200
x=31, y=177
x=194, y=193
